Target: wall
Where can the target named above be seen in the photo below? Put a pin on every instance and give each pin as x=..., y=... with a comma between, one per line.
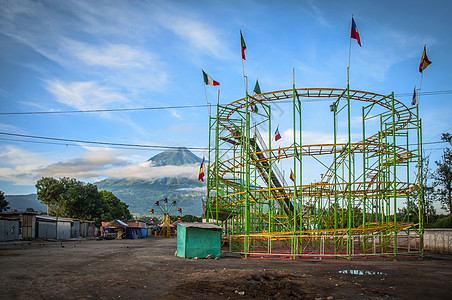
x=438, y=240
x=9, y=230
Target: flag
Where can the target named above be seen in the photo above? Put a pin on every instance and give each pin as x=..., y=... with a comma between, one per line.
x=201, y=171
x=354, y=33
x=424, y=61
x=253, y=107
x=243, y=45
x=179, y=210
x=291, y=176
x=277, y=135
x=414, y=100
x=208, y=80
x=257, y=88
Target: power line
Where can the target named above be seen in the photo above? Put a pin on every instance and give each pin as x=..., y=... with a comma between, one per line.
x=118, y=145
x=102, y=110
x=102, y=143
x=432, y=93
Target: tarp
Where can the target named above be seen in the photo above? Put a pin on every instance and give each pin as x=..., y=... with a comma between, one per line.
x=136, y=233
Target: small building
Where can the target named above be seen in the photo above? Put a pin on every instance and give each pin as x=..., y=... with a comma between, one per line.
x=9, y=228
x=27, y=225
x=115, y=229
x=47, y=227
x=136, y=230
x=198, y=240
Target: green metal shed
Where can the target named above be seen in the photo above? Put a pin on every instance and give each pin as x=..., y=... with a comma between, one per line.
x=198, y=240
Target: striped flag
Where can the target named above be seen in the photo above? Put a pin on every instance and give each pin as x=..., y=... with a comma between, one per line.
x=208, y=80
x=291, y=176
x=277, y=135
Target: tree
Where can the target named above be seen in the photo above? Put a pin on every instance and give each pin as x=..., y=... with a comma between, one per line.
x=69, y=197
x=443, y=176
x=50, y=191
x=114, y=208
x=4, y=205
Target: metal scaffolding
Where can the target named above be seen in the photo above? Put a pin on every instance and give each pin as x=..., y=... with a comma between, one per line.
x=351, y=212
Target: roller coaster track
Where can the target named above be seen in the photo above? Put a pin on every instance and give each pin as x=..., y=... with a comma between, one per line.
x=276, y=188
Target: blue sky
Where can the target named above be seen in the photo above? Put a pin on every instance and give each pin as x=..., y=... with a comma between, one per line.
x=85, y=55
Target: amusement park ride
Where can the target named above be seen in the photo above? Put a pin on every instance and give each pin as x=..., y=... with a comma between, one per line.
x=167, y=207
x=351, y=212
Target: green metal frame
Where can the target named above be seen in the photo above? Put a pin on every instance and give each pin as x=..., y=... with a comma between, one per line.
x=351, y=212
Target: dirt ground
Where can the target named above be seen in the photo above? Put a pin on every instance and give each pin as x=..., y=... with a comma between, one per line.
x=148, y=269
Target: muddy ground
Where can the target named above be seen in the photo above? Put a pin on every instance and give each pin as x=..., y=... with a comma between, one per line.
x=148, y=269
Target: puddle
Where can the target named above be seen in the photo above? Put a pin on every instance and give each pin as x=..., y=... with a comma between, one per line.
x=361, y=272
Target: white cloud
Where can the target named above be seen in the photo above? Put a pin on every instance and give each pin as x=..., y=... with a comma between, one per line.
x=25, y=168
x=175, y=114
x=85, y=95
x=20, y=166
x=199, y=35
x=109, y=55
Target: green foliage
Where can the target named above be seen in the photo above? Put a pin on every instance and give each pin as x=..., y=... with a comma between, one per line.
x=443, y=176
x=190, y=218
x=445, y=222
x=4, y=205
x=115, y=208
x=68, y=197
x=50, y=191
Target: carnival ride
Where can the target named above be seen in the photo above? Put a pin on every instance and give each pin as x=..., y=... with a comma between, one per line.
x=166, y=229
x=351, y=211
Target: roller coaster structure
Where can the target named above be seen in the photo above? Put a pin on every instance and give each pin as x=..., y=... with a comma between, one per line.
x=350, y=212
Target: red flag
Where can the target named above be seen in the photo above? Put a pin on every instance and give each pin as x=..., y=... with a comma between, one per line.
x=277, y=135
x=424, y=61
x=354, y=34
x=242, y=45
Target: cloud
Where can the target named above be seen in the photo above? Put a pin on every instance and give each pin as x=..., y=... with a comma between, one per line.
x=109, y=55
x=92, y=164
x=201, y=36
x=85, y=95
x=25, y=168
x=175, y=114
x=145, y=170
x=20, y=166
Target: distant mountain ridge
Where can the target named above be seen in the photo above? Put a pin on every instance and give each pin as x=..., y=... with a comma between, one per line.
x=22, y=202
x=177, y=157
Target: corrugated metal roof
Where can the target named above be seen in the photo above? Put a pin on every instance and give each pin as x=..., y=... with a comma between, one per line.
x=52, y=219
x=201, y=225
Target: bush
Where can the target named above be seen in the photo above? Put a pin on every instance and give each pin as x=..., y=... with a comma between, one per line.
x=445, y=222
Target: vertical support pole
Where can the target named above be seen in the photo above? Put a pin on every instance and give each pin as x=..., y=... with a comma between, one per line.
x=208, y=201
x=294, y=121
x=217, y=154
x=247, y=168
x=394, y=158
x=421, y=186
x=349, y=184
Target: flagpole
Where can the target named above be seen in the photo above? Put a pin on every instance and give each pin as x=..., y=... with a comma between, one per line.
x=349, y=55
x=420, y=87
x=205, y=93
